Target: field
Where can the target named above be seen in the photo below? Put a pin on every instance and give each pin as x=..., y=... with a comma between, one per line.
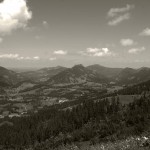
x=126, y=99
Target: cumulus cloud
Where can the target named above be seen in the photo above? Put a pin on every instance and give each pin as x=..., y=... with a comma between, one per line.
x=127, y=42
x=145, y=32
x=13, y=14
x=97, y=52
x=136, y=50
x=60, y=52
x=119, y=14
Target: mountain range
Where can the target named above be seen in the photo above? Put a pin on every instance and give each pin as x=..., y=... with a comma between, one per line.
x=76, y=74
x=43, y=74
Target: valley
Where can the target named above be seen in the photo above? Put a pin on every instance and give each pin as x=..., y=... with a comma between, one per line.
x=72, y=105
x=35, y=90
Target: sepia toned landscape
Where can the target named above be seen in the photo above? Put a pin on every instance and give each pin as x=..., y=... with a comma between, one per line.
x=74, y=75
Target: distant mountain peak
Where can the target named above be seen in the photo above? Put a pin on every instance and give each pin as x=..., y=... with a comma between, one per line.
x=75, y=75
x=143, y=68
x=78, y=66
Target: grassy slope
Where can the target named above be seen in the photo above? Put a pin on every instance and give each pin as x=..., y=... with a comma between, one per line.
x=132, y=143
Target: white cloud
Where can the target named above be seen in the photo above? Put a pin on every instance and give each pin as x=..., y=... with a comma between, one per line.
x=18, y=57
x=119, y=14
x=92, y=50
x=28, y=58
x=10, y=56
x=119, y=19
x=60, y=52
x=136, y=50
x=36, y=57
x=52, y=58
x=145, y=32
x=1, y=40
x=115, y=11
x=97, y=52
x=13, y=14
x=127, y=42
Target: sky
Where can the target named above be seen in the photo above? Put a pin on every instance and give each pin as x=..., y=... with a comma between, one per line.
x=47, y=33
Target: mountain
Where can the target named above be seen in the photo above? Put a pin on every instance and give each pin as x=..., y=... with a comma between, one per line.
x=130, y=76
x=77, y=74
x=105, y=71
x=42, y=74
x=122, y=75
x=8, y=77
x=23, y=85
x=23, y=69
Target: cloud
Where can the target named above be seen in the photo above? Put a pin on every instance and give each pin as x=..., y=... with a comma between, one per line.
x=93, y=50
x=52, y=58
x=127, y=42
x=1, y=40
x=18, y=57
x=136, y=50
x=115, y=11
x=97, y=52
x=23, y=58
x=119, y=14
x=145, y=32
x=60, y=52
x=10, y=56
x=119, y=19
x=14, y=14
x=36, y=57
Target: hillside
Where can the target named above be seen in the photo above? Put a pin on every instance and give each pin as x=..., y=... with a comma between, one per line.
x=122, y=75
x=133, y=76
x=43, y=74
x=76, y=75
x=8, y=77
x=105, y=71
x=94, y=122
x=85, y=120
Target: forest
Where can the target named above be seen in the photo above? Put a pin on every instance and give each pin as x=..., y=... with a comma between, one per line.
x=95, y=121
